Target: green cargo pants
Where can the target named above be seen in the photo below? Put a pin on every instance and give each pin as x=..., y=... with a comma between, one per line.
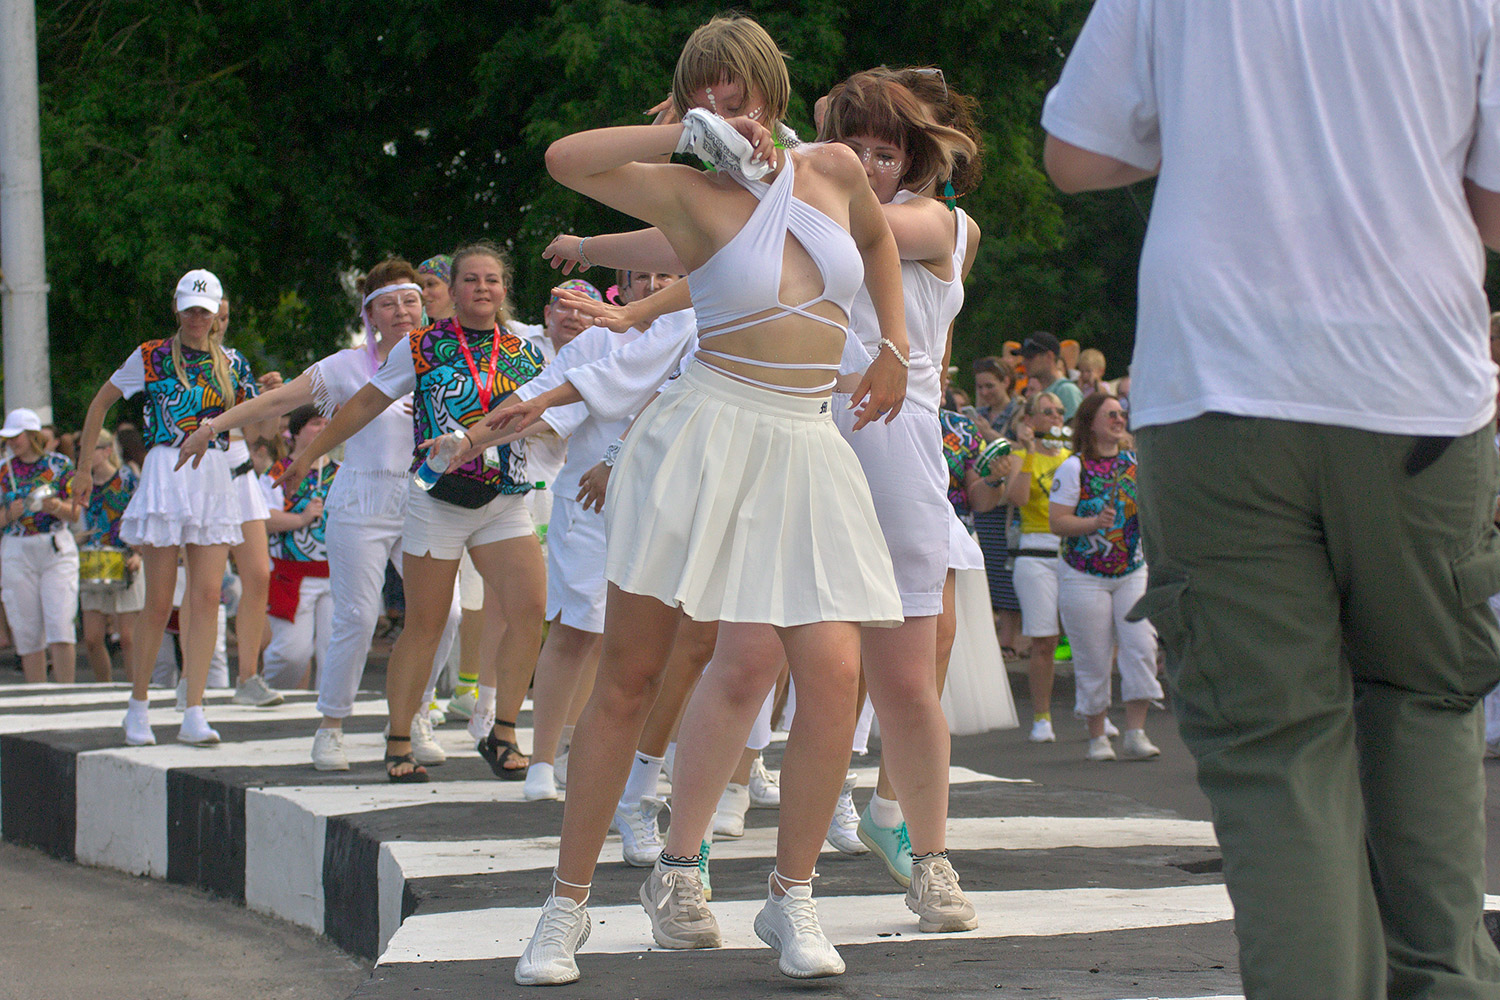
x=1323, y=610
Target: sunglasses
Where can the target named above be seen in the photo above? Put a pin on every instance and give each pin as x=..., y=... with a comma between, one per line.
x=1049, y=413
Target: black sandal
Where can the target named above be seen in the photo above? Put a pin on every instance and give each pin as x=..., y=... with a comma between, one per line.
x=497, y=753
x=417, y=773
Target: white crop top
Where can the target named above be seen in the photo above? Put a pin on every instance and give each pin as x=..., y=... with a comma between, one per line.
x=743, y=277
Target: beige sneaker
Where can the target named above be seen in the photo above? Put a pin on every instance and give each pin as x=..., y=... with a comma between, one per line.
x=680, y=917
x=934, y=896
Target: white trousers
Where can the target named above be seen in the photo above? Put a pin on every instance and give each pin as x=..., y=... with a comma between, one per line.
x=1093, y=612
x=295, y=643
x=359, y=545
x=39, y=585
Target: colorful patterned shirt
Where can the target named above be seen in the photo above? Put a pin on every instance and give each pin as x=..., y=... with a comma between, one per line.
x=306, y=544
x=961, y=447
x=446, y=397
x=174, y=410
x=106, y=508
x=1085, y=485
x=18, y=479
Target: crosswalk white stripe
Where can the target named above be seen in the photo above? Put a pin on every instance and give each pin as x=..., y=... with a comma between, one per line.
x=165, y=718
x=482, y=935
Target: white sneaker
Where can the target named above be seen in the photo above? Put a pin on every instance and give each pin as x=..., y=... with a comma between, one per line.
x=790, y=926
x=138, y=724
x=182, y=695
x=435, y=713
x=1041, y=732
x=463, y=705
x=934, y=896
x=560, y=767
x=843, y=830
x=540, y=785
x=1136, y=746
x=1100, y=748
x=765, y=787
x=1110, y=729
x=481, y=722
x=195, y=729
x=640, y=836
x=328, y=750
x=729, y=817
x=257, y=693
x=680, y=917
x=425, y=749
x=548, y=959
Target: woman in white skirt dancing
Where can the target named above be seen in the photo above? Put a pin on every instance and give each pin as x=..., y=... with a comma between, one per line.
x=734, y=497
x=366, y=504
x=187, y=378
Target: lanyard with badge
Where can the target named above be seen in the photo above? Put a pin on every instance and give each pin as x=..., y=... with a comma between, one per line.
x=483, y=386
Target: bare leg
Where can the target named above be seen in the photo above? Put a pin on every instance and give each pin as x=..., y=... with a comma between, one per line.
x=95, y=625
x=1040, y=674
x=638, y=634
x=429, y=595
x=690, y=654
x=34, y=667
x=901, y=671
x=515, y=576
x=64, y=662
x=205, y=583
x=159, y=563
x=568, y=655
x=252, y=559
x=947, y=629
x=126, y=623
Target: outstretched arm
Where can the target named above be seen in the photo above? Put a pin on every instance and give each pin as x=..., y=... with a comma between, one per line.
x=267, y=406
x=363, y=407
x=642, y=250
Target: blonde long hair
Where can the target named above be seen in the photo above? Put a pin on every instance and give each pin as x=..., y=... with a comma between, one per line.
x=223, y=371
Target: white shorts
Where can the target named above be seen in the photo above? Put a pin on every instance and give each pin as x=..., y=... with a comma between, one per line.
x=576, y=551
x=39, y=585
x=252, y=499
x=445, y=530
x=1036, y=588
x=116, y=602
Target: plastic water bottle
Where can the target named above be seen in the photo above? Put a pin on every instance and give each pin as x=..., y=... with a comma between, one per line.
x=439, y=457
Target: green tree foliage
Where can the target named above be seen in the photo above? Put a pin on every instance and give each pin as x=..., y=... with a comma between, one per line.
x=287, y=146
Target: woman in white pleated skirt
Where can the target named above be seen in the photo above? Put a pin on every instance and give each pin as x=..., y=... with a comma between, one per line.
x=187, y=378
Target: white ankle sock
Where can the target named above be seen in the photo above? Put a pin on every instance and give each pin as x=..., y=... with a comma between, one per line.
x=886, y=812
x=485, y=699
x=644, y=772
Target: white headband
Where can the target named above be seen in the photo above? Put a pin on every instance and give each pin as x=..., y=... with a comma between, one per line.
x=401, y=287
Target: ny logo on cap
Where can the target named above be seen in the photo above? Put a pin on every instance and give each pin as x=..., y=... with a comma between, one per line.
x=200, y=285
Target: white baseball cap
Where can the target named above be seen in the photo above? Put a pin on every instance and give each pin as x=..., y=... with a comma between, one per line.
x=19, y=420
x=199, y=288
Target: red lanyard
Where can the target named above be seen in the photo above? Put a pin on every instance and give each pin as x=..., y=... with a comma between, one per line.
x=483, y=386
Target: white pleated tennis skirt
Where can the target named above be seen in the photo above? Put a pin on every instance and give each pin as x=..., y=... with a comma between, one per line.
x=744, y=504
x=185, y=507
x=246, y=485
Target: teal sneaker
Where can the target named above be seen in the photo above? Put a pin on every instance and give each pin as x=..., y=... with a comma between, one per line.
x=708, y=887
x=891, y=845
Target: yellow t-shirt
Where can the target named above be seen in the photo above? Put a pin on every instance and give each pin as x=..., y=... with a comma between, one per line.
x=1042, y=468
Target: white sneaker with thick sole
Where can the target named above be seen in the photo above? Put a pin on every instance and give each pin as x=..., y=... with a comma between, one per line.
x=843, y=829
x=765, y=787
x=640, y=836
x=680, y=917
x=549, y=956
x=257, y=693
x=1041, y=732
x=541, y=785
x=461, y=706
x=328, y=750
x=1100, y=748
x=729, y=817
x=424, y=748
x=1137, y=746
x=138, y=724
x=195, y=729
x=934, y=896
x=789, y=924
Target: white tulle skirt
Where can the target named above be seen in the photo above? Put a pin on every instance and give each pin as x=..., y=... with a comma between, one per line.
x=185, y=507
x=744, y=504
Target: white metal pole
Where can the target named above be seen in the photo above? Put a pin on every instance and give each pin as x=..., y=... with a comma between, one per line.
x=23, y=259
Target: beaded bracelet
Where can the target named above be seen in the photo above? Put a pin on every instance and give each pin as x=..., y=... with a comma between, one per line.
x=886, y=342
x=581, y=258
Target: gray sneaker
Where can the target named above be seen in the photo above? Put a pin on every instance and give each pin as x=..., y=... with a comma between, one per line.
x=257, y=693
x=936, y=899
x=680, y=917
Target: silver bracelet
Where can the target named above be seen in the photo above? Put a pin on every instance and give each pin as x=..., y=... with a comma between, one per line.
x=611, y=453
x=581, y=258
x=886, y=342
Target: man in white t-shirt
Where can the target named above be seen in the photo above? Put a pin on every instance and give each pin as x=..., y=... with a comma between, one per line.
x=1328, y=175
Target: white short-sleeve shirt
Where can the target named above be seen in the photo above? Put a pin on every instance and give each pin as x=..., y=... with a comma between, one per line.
x=1310, y=254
